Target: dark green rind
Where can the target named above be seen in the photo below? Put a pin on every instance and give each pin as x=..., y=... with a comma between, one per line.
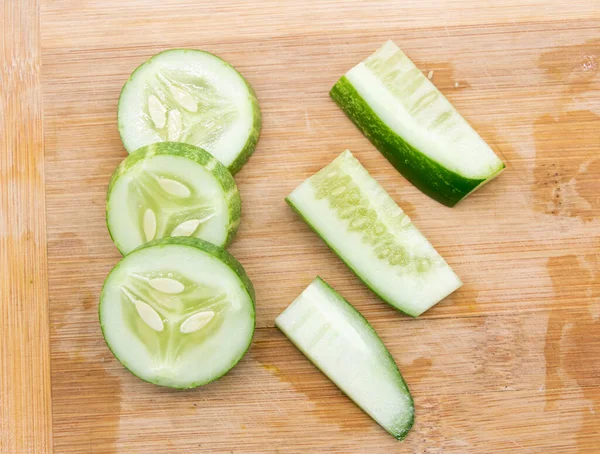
x=220, y=254
x=438, y=182
x=399, y=435
x=360, y=278
x=250, y=145
x=193, y=153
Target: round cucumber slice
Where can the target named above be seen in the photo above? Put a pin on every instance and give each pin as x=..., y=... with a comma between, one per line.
x=191, y=96
x=178, y=312
x=171, y=189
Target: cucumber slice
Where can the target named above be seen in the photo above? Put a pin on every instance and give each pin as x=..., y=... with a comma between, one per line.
x=354, y=215
x=415, y=127
x=171, y=189
x=337, y=339
x=191, y=96
x=178, y=312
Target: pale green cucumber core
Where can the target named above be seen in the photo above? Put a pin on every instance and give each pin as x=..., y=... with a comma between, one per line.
x=167, y=311
x=175, y=99
x=166, y=206
x=353, y=209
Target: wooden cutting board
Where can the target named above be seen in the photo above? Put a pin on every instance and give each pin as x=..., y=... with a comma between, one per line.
x=509, y=363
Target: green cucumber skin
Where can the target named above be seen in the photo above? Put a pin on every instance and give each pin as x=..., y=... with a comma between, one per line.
x=192, y=153
x=398, y=435
x=250, y=145
x=216, y=252
x=314, y=229
x=433, y=179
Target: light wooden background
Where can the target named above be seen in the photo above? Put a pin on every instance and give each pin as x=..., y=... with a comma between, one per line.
x=509, y=363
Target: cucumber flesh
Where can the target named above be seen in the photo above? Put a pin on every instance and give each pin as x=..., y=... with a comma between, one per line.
x=178, y=312
x=415, y=127
x=354, y=215
x=337, y=339
x=171, y=189
x=190, y=96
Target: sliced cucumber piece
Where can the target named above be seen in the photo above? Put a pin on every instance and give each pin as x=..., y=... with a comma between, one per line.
x=171, y=189
x=191, y=96
x=354, y=215
x=415, y=127
x=178, y=312
x=337, y=339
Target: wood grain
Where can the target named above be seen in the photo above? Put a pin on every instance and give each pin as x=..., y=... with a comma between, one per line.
x=509, y=363
x=25, y=407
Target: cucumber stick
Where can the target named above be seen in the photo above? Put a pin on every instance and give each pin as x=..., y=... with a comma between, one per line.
x=171, y=189
x=354, y=215
x=191, y=96
x=178, y=312
x=415, y=127
x=341, y=343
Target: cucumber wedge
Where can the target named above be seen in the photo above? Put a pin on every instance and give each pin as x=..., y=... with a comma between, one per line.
x=171, y=189
x=354, y=215
x=415, y=127
x=191, y=96
x=337, y=339
x=178, y=312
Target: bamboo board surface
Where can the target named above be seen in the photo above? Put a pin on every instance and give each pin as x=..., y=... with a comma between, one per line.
x=509, y=363
x=25, y=423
